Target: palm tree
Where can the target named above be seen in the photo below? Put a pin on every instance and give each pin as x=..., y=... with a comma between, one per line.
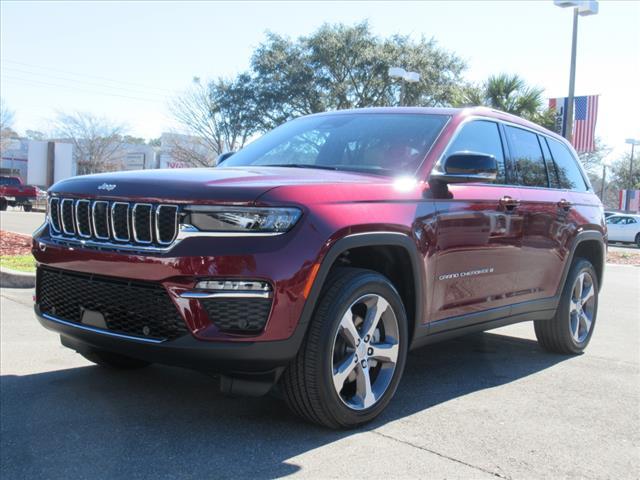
x=511, y=94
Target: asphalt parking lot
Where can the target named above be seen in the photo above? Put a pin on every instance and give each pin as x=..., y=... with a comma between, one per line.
x=484, y=406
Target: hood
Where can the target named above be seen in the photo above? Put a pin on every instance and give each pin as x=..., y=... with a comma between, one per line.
x=222, y=184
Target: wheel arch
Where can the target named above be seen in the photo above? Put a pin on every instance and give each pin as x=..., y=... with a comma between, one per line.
x=391, y=247
x=591, y=246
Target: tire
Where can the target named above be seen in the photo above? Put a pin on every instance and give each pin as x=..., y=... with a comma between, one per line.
x=638, y=240
x=569, y=332
x=113, y=360
x=3, y=204
x=309, y=382
x=27, y=207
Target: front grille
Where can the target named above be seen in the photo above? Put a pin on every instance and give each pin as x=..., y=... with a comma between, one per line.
x=101, y=223
x=238, y=315
x=140, y=309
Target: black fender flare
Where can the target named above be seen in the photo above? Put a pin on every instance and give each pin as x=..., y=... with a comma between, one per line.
x=368, y=239
x=582, y=237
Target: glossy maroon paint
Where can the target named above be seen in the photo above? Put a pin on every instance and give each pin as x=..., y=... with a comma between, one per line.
x=526, y=249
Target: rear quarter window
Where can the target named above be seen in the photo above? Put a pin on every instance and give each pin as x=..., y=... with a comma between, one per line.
x=569, y=175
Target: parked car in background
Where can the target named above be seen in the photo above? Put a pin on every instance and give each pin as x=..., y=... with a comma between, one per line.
x=624, y=228
x=607, y=214
x=13, y=193
x=320, y=254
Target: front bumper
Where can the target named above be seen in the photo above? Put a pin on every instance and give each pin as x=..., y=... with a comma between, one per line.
x=228, y=358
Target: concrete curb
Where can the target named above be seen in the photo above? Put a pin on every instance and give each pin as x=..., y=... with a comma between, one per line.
x=14, y=279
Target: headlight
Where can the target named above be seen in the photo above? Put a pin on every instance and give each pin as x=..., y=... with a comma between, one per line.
x=242, y=219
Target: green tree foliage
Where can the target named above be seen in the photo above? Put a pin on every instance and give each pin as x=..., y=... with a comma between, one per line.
x=339, y=67
x=511, y=94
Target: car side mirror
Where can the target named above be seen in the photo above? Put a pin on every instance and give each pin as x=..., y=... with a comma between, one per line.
x=466, y=167
x=223, y=156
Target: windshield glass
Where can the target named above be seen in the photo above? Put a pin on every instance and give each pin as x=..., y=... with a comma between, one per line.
x=371, y=143
x=9, y=181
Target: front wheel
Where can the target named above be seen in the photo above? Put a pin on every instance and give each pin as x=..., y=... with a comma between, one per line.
x=3, y=204
x=638, y=240
x=571, y=328
x=351, y=362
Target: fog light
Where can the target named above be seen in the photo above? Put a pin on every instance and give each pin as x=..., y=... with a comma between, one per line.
x=234, y=286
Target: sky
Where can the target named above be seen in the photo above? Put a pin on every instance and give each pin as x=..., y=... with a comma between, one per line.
x=126, y=60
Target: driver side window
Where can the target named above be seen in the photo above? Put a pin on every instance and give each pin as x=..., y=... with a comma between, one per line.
x=481, y=136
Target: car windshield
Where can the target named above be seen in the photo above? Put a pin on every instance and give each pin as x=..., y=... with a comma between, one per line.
x=378, y=143
x=9, y=181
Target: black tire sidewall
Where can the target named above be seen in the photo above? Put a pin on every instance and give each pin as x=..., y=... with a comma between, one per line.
x=563, y=315
x=366, y=283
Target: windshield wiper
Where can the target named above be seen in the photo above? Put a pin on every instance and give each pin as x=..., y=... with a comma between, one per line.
x=301, y=165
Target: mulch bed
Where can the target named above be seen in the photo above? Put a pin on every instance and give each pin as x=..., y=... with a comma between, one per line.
x=14, y=243
x=622, y=258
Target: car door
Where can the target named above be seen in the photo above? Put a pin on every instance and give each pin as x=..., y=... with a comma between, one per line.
x=614, y=228
x=549, y=219
x=478, y=235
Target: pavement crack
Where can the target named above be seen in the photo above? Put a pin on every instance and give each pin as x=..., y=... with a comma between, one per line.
x=26, y=304
x=441, y=455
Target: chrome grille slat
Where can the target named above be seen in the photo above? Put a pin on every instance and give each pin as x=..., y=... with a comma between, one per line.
x=67, y=216
x=83, y=218
x=142, y=222
x=117, y=217
x=115, y=225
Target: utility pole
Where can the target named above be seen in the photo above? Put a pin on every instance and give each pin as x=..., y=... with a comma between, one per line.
x=630, y=185
x=604, y=181
x=582, y=8
x=568, y=118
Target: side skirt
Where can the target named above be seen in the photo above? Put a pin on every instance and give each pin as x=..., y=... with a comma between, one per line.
x=453, y=327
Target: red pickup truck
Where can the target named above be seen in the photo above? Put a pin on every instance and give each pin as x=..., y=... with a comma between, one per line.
x=13, y=193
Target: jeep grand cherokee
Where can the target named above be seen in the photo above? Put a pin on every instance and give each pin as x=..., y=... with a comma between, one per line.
x=319, y=255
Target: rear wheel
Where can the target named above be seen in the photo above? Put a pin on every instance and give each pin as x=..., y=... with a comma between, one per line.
x=27, y=207
x=571, y=328
x=352, y=359
x=3, y=204
x=113, y=360
x=638, y=240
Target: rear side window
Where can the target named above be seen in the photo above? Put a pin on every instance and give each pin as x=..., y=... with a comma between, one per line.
x=527, y=157
x=569, y=175
x=481, y=137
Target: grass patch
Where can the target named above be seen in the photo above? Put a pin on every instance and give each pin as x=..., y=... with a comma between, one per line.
x=22, y=263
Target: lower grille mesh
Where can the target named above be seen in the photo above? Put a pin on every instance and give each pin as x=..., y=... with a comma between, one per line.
x=240, y=315
x=135, y=308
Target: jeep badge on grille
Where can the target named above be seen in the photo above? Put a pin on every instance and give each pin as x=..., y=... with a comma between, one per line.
x=107, y=186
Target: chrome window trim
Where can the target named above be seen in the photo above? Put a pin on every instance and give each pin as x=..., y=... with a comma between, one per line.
x=62, y=222
x=236, y=294
x=175, y=226
x=133, y=223
x=101, y=331
x=78, y=231
x=93, y=220
x=114, y=234
x=53, y=227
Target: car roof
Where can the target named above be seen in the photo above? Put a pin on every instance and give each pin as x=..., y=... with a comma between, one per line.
x=634, y=215
x=485, y=112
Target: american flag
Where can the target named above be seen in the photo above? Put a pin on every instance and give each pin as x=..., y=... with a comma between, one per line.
x=585, y=114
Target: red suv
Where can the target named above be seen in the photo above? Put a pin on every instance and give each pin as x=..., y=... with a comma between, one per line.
x=318, y=255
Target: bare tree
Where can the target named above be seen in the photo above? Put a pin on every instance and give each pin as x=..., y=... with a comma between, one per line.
x=6, y=125
x=217, y=116
x=96, y=141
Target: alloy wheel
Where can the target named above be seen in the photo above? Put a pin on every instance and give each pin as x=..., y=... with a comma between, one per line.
x=365, y=352
x=582, y=307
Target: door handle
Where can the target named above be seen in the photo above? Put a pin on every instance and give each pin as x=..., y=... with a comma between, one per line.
x=565, y=204
x=509, y=203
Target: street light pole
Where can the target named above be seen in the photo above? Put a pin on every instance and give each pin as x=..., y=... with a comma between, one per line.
x=630, y=185
x=582, y=8
x=404, y=76
x=568, y=118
